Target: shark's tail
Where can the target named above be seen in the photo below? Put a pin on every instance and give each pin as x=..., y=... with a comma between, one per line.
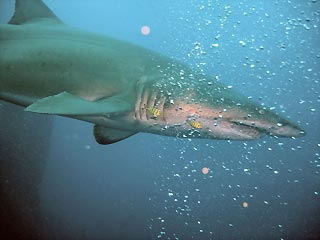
x=30, y=10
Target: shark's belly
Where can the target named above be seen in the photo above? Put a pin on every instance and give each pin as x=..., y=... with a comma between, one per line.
x=34, y=68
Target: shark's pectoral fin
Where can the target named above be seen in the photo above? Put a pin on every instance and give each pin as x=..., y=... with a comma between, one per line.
x=108, y=136
x=69, y=104
x=32, y=10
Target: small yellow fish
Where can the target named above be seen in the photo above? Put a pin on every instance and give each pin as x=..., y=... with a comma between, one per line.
x=195, y=124
x=154, y=111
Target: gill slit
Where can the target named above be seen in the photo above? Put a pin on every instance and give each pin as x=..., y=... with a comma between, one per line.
x=148, y=99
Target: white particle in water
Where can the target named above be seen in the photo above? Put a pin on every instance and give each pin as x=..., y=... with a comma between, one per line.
x=242, y=43
x=306, y=27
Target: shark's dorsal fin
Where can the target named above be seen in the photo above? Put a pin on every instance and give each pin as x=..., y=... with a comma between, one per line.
x=32, y=10
x=106, y=136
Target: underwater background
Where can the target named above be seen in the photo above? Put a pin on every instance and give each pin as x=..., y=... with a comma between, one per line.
x=58, y=183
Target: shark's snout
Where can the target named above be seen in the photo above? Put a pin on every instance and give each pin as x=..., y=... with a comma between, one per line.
x=288, y=130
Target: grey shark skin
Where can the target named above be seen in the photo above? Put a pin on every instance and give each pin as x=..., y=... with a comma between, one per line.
x=123, y=89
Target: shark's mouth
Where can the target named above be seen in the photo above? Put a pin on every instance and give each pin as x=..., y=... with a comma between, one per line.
x=246, y=131
x=233, y=130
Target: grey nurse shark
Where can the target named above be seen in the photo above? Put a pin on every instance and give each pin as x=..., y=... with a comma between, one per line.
x=52, y=68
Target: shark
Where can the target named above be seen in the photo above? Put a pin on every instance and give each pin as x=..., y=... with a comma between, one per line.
x=49, y=67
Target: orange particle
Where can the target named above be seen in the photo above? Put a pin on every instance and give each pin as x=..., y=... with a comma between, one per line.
x=245, y=204
x=205, y=170
x=145, y=30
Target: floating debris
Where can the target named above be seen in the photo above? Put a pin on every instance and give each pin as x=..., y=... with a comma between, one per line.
x=145, y=30
x=205, y=170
